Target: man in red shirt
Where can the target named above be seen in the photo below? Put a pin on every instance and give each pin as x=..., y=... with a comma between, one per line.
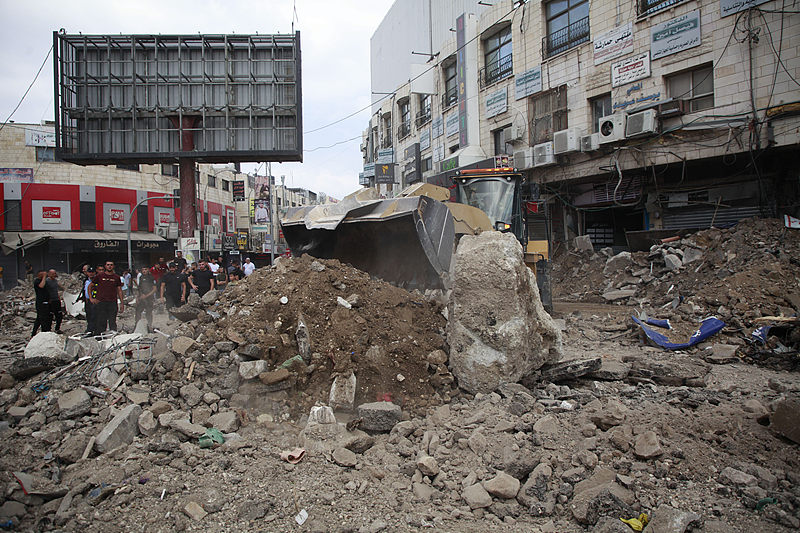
x=158, y=270
x=109, y=290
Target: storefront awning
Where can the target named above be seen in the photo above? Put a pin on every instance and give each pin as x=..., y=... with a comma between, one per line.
x=14, y=240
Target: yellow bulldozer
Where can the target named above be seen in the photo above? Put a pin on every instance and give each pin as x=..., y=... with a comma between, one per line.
x=409, y=240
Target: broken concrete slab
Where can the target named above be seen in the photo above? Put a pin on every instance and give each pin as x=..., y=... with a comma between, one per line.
x=673, y=262
x=185, y=313
x=26, y=368
x=181, y=345
x=611, y=370
x=571, y=369
x=599, y=496
x=344, y=457
x=618, y=263
x=252, y=369
x=502, y=486
x=498, y=330
x=379, y=417
x=74, y=403
x=476, y=496
x=666, y=519
x=47, y=344
x=583, y=243
x=647, y=446
x=343, y=392
x=226, y=421
x=786, y=420
x=122, y=429
x=618, y=294
x=210, y=298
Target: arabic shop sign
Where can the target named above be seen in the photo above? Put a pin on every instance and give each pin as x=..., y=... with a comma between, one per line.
x=614, y=43
x=448, y=164
x=385, y=155
x=451, y=124
x=731, y=7
x=425, y=139
x=630, y=69
x=238, y=191
x=497, y=102
x=528, y=83
x=369, y=170
x=625, y=103
x=437, y=127
x=676, y=35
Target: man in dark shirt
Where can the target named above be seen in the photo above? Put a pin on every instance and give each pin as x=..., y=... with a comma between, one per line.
x=173, y=288
x=180, y=260
x=43, y=317
x=202, y=279
x=109, y=290
x=145, y=296
x=51, y=284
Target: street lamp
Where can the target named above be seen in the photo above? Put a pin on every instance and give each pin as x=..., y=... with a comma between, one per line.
x=130, y=220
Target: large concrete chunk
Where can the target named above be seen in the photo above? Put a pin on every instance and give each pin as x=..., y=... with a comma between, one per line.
x=379, y=416
x=120, y=431
x=46, y=344
x=74, y=403
x=497, y=330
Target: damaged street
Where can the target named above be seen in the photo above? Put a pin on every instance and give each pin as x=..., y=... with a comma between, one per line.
x=310, y=396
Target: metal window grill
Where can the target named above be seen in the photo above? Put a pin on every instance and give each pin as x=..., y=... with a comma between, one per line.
x=566, y=38
x=133, y=97
x=497, y=71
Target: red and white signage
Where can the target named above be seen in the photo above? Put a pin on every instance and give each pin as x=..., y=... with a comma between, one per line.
x=116, y=216
x=164, y=218
x=51, y=215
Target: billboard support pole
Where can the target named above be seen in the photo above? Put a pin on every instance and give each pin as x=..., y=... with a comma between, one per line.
x=188, y=222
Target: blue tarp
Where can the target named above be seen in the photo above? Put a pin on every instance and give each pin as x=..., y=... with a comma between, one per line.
x=660, y=322
x=761, y=333
x=708, y=327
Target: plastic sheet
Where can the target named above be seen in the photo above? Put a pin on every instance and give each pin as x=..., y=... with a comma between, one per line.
x=708, y=327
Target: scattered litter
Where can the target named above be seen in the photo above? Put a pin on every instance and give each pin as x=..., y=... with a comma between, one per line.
x=294, y=456
x=708, y=327
x=763, y=502
x=301, y=517
x=637, y=524
x=284, y=300
x=211, y=437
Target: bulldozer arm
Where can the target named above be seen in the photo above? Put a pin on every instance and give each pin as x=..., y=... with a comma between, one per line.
x=407, y=241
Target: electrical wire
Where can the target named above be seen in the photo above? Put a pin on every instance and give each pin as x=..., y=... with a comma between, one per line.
x=3, y=125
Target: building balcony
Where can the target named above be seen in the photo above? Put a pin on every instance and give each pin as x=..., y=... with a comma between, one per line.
x=566, y=38
x=450, y=97
x=494, y=72
x=404, y=130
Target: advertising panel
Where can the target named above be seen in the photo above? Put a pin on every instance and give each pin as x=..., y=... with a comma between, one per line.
x=384, y=173
x=16, y=175
x=613, y=44
x=451, y=124
x=385, y=155
x=230, y=219
x=497, y=102
x=116, y=216
x=528, y=83
x=51, y=214
x=238, y=191
x=242, y=240
x=630, y=69
x=437, y=127
x=676, y=35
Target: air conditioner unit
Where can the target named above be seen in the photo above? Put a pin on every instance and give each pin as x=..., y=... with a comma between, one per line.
x=641, y=123
x=172, y=231
x=523, y=158
x=611, y=128
x=673, y=108
x=590, y=143
x=543, y=155
x=568, y=140
x=162, y=231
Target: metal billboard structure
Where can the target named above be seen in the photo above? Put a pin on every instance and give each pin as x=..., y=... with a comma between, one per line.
x=186, y=98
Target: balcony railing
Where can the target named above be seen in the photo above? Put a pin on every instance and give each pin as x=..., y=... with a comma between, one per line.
x=404, y=130
x=648, y=7
x=503, y=68
x=386, y=142
x=566, y=38
x=450, y=97
x=423, y=117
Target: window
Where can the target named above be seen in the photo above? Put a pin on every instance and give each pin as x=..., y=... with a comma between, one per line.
x=169, y=169
x=648, y=7
x=88, y=216
x=226, y=185
x=696, y=86
x=501, y=145
x=386, y=142
x=424, y=113
x=601, y=107
x=426, y=164
x=497, y=57
x=45, y=153
x=13, y=214
x=212, y=181
x=549, y=114
x=453, y=149
x=404, y=130
x=134, y=168
x=450, y=96
x=141, y=217
x=567, y=25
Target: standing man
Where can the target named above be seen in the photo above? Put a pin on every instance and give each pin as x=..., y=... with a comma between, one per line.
x=248, y=267
x=43, y=318
x=202, y=279
x=180, y=261
x=213, y=266
x=145, y=296
x=89, y=293
x=54, y=302
x=159, y=269
x=173, y=288
x=109, y=290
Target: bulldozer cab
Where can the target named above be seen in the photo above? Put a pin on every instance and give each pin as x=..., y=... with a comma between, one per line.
x=497, y=192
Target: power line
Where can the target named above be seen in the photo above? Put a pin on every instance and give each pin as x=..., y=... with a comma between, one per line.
x=3, y=125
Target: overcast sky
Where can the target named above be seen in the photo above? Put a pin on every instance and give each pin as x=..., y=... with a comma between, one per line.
x=334, y=36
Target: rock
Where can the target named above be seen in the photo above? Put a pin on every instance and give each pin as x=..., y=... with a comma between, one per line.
x=534, y=491
x=611, y=370
x=141, y=327
x=723, y=354
x=249, y=351
x=28, y=367
x=226, y=421
x=666, y=519
x=343, y=392
x=617, y=263
x=344, y=457
x=690, y=255
x=647, y=446
x=360, y=442
x=191, y=394
x=225, y=346
x=195, y=511
x=379, y=416
x=181, y=345
x=18, y=412
x=186, y=313
x=673, y=262
x=611, y=524
x=502, y=486
x=107, y=377
x=476, y=496
x=618, y=294
x=437, y=357
x=47, y=344
x=147, y=423
x=74, y=403
x=567, y=370
x=120, y=431
x=600, y=496
x=498, y=330
x=423, y=492
x=428, y=466
x=188, y=429
x=7, y=381
x=732, y=476
x=11, y=509
x=159, y=407
x=786, y=420
x=170, y=417
x=201, y=414
x=344, y=303
x=755, y=408
x=252, y=369
x=621, y=437
x=138, y=395
x=276, y=376
x=583, y=243
x=316, y=266
x=210, y=298
x=321, y=414
x=612, y=415
x=71, y=450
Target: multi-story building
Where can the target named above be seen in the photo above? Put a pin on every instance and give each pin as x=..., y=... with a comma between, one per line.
x=625, y=116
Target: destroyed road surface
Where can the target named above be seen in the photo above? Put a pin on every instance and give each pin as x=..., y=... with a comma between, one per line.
x=403, y=411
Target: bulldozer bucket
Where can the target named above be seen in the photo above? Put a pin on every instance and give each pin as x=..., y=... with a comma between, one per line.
x=405, y=241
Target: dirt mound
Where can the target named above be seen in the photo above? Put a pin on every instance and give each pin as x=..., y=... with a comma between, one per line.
x=384, y=337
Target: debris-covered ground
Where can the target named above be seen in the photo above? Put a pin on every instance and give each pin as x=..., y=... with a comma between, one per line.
x=702, y=439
